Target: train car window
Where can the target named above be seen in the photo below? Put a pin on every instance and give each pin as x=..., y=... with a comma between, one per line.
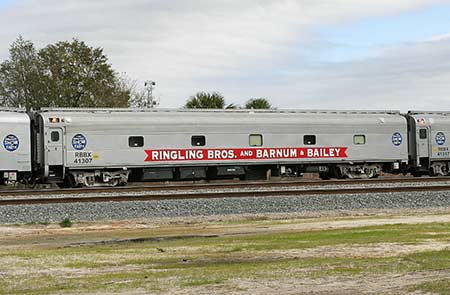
x=423, y=133
x=256, y=140
x=136, y=141
x=198, y=140
x=309, y=140
x=54, y=136
x=359, y=139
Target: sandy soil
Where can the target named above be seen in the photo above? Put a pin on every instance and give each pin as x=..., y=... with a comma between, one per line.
x=25, y=236
x=219, y=225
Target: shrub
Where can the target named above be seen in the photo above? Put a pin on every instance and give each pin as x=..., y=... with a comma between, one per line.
x=66, y=223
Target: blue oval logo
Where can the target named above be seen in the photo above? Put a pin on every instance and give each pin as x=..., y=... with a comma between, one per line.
x=440, y=138
x=79, y=142
x=397, y=139
x=11, y=143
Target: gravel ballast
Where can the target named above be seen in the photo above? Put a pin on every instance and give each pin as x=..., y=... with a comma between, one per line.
x=223, y=190
x=223, y=206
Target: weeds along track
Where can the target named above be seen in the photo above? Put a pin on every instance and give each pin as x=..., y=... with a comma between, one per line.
x=223, y=190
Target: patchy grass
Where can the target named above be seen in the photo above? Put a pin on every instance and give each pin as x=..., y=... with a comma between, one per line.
x=434, y=287
x=201, y=282
x=161, y=266
x=309, y=239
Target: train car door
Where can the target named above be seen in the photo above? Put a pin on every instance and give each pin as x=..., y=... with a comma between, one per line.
x=423, y=146
x=55, y=148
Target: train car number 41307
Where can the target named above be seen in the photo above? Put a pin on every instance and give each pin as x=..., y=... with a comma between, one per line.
x=83, y=157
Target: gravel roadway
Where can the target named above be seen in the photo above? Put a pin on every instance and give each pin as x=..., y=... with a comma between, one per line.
x=224, y=206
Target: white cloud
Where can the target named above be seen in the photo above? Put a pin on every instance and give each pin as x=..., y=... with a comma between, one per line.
x=238, y=47
x=407, y=76
x=439, y=38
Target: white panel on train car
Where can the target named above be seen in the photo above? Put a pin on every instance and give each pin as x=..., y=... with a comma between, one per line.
x=15, y=150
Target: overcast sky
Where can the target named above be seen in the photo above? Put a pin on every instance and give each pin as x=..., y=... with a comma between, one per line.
x=305, y=54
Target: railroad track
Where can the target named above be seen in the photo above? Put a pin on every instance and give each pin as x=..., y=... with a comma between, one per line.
x=225, y=185
x=212, y=195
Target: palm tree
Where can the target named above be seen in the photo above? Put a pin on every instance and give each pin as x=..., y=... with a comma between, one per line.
x=258, y=103
x=206, y=100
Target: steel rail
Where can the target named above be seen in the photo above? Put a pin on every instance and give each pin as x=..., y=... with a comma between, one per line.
x=224, y=185
x=215, y=195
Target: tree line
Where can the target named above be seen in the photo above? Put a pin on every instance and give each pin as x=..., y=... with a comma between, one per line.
x=64, y=74
x=74, y=74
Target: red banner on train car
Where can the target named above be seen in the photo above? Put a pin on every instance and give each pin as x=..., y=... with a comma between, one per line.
x=163, y=155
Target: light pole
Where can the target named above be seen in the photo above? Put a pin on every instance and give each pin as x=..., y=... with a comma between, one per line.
x=149, y=85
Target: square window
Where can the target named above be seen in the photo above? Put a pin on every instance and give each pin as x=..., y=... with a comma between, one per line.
x=256, y=140
x=423, y=133
x=309, y=140
x=198, y=140
x=359, y=139
x=136, y=141
x=54, y=136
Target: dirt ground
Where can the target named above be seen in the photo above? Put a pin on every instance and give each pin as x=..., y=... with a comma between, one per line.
x=18, y=241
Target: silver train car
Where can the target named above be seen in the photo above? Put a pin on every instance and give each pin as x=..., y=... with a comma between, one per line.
x=82, y=147
x=429, y=148
x=15, y=152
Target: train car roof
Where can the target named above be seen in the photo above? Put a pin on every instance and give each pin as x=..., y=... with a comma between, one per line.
x=425, y=118
x=129, y=117
x=432, y=113
x=162, y=110
x=12, y=110
x=13, y=115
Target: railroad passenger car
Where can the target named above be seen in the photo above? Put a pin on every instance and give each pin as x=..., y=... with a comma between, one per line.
x=15, y=152
x=112, y=146
x=429, y=148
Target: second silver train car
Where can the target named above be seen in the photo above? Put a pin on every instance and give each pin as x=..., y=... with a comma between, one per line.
x=111, y=147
